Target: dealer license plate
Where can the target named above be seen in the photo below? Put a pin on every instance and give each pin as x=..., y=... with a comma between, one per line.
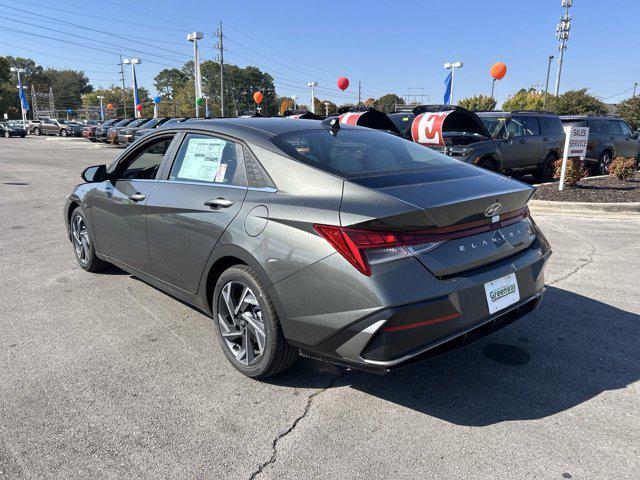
x=502, y=292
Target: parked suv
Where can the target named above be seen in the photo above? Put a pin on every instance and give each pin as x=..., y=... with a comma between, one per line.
x=531, y=141
x=53, y=126
x=609, y=137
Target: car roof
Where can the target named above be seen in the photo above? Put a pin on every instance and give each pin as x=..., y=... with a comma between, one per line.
x=585, y=117
x=265, y=127
x=496, y=113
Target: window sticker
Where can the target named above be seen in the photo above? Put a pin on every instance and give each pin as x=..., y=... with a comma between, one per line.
x=202, y=159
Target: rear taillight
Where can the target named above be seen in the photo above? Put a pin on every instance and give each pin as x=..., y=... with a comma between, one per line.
x=363, y=248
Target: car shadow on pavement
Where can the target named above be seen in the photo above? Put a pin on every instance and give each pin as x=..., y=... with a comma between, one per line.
x=568, y=351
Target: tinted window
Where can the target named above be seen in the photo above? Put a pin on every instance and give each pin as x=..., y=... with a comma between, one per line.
x=353, y=153
x=402, y=121
x=208, y=159
x=626, y=129
x=493, y=124
x=514, y=128
x=530, y=125
x=613, y=127
x=550, y=126
x=144, y=163
x=597, y=126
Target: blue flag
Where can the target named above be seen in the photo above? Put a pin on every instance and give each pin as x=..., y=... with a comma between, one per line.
x=23, y=97
x=447, y=90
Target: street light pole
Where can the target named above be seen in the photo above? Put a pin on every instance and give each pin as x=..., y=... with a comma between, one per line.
x=313, y=96
x=546, y=85
x=18, y=71
x=326, y=108
x=294, y=98
x=452, y=66
x=562, y=34
x=194, y=37
x=101, y=97
x=136, y=100
x=634, y=89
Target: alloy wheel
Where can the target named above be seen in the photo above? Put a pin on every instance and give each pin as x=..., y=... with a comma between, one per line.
x=240, y=322
x=81, y=242
x=7, y=134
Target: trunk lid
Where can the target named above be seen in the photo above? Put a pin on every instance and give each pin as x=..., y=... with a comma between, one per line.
x=479, y=216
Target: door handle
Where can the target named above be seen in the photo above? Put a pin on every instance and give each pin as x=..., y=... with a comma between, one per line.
x=523, y=141
x=611, y=138
x=546, y=139
x=218, y=203
x=137, y=197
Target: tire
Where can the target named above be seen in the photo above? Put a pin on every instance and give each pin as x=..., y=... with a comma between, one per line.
x=602, y=167
x=37, y=132
x=236, y=331
x=7, y=134
x=545, y=172
x=487, y=164
x=63, y=132
x=22, y=136
x=83, y=243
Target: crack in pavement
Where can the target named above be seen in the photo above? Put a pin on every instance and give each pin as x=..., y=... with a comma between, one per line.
x=274, y=443
x=589, y=260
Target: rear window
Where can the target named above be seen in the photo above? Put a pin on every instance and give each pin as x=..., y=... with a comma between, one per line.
x=358, y=153
x=493, y=123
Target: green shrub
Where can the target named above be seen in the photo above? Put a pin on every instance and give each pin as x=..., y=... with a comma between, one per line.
x=573, y=174
x=622, y=168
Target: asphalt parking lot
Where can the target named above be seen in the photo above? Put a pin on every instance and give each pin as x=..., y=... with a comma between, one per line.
x=103, y=376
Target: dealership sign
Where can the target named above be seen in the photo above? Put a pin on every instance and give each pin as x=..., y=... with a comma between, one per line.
x=575, y=146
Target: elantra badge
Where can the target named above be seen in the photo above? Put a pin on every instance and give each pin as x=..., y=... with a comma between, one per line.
x=493, y=210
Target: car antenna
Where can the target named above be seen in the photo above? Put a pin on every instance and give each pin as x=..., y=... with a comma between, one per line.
x=333, y=124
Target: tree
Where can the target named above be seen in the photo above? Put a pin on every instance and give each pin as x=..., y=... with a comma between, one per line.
x=8, y=91
x=169, y=81
x=113, y=95
x=577, y=102
x=387, y=103
x=629, y=110
x=321, y=109
x=524, y=100
x=68, y=87
x=478, y=102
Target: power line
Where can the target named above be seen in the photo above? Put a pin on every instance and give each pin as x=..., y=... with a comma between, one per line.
x=51, y=55
x=124, y=37
x=90, y=39
x=618, y=94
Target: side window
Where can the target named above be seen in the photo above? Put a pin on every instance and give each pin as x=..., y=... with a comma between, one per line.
x=257, y=177
x=596, y=126
x=530, y=126
x=626, y=129
x=613, y=127
x=144, y=164
x=514, y=127
x=207, y=159
x=550, y=126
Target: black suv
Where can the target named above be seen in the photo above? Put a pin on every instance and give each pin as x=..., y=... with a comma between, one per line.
x=508, y=142
x=609, y=137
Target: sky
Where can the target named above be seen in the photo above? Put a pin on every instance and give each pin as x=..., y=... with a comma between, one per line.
x=387, y=46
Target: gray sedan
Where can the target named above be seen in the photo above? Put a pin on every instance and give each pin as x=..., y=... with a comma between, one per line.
x=298, y=236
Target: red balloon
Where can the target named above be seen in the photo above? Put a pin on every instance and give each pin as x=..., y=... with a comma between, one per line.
x=498, y=70
x=139, y=107
x=109, y=106
x=343, y=83
x=257, y=97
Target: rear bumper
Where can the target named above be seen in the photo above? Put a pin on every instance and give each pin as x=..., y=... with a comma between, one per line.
x=423, y=315
x=125, y=138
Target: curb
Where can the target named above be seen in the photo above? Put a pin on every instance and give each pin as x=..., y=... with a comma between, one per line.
x=585, y=209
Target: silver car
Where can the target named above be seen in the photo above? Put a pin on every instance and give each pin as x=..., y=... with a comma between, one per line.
x=342, y=243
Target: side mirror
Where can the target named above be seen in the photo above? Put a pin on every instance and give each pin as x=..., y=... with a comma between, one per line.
x=97, y=173
x=509, y=135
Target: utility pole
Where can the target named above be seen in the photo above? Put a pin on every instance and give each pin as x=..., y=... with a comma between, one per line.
x=326, y=109
x=220, y=48
x=452, y=66
x=313, y=96
x=194, y=37
x=124, y=92
x=634, y=89
x=546, y=84
x=359, y=92
x=562, y=34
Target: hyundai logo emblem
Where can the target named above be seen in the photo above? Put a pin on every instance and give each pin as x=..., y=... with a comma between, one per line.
x=493, y=209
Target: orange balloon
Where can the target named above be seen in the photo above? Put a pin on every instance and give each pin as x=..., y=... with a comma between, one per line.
x=498, y=70
x=257, y=97
x=109, y=106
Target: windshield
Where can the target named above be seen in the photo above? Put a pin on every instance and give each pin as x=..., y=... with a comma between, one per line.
x=360, y=153
x=124, y=122
x=493, y=124
x=151, y=123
